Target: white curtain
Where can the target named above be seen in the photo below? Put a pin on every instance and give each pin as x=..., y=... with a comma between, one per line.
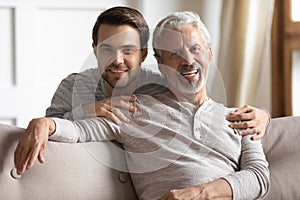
x=244, y=57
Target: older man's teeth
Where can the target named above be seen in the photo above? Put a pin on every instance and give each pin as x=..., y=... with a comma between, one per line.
x=190, y=73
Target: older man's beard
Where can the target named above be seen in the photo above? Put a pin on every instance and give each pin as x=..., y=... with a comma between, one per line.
x=184, y=86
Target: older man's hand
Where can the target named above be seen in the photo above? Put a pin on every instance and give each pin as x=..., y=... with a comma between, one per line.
x=249, y=120
x=218, y=189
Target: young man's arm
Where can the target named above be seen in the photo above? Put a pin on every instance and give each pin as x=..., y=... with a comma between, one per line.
x=249, y=120
x=34, y=141
x=75, y=98
x=66, y=101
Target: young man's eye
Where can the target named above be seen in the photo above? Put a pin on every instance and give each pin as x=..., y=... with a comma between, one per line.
x=106, y=50
x=128, y=51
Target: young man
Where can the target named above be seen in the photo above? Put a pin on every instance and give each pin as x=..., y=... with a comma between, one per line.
x=178, y=144
x=102, y=91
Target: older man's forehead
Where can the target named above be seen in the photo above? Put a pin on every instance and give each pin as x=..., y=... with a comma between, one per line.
x=170, y=38
x=173, y=39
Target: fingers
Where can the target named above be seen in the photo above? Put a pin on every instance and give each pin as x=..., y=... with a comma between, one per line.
x=249, y=120
x=241, y=114
x=242, y=125
x=124, y=102
x=31, y=145
x=25, y=157
x=116, y=116
x=41, y=157
x=111, y=108
x=20, y=159
x=258, y=136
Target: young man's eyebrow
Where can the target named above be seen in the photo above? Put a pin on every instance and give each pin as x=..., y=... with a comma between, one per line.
x=104, y=45
x=123, y=46
x=129, y=46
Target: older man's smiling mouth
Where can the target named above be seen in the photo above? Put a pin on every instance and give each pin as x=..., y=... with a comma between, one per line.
x=191, y=75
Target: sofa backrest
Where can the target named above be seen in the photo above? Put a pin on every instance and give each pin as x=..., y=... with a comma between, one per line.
x=72, y=172
x=69, y=173
x=282, y=148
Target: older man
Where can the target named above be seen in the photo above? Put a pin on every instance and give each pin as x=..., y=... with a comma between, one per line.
x=178, y=144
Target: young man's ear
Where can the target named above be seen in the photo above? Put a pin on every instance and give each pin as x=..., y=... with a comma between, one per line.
x=94, y=49
x=144, y=53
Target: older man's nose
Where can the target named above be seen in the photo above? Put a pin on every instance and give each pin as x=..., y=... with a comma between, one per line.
x=187, y=59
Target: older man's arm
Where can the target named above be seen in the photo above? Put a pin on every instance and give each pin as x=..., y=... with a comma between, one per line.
x=218, y=189
x=250, y=182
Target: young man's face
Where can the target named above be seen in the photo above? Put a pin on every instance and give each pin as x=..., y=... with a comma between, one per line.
x=119, y=54
x=185, y=58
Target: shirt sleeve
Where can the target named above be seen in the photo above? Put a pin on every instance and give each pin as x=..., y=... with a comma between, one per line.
x=73, y=92
x=62, y=101
x=252, y=181
x=86, y=130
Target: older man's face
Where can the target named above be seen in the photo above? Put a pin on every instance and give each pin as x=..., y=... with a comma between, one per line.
x=185, y=58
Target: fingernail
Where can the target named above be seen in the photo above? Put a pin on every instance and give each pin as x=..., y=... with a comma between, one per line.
x=15, y=174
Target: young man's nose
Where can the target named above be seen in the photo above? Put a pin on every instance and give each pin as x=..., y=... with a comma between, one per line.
x=119, y=58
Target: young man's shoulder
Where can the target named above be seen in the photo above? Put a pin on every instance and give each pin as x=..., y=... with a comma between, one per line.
x=85, y=77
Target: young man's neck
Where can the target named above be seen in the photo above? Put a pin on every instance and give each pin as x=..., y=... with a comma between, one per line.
x=127, y=90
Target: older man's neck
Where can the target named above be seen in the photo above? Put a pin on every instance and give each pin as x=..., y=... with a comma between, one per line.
x=196, y=99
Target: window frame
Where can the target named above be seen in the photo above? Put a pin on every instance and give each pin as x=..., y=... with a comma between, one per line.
x=285, y=39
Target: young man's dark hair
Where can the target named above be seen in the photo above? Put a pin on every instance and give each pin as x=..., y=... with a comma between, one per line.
x=123, y=16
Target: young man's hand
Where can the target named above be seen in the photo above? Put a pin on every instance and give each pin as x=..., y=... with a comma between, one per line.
x=110, y=108
x=249, y=120
x=33, y=143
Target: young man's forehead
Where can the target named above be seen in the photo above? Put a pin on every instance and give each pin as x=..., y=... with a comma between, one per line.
x=118, y=35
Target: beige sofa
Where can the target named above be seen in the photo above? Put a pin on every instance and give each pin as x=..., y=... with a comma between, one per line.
x=71, y=171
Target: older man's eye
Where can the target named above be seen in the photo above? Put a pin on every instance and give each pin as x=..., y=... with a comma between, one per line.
x=175, y=53
x=196, y=49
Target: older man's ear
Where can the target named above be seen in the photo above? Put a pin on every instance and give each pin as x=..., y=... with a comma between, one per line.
x=210, y=55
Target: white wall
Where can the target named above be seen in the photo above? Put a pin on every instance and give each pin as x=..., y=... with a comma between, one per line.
x=42, y=41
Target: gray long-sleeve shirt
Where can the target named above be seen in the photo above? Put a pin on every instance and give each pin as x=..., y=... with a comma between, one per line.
x=87, y=87
x=171, y=144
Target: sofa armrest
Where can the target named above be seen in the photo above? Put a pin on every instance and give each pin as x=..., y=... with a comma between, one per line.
x=282, y=148
x=69, y=172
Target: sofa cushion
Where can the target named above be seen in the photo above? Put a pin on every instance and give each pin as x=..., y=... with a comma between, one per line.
x=282, y=148
x=69, y=172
